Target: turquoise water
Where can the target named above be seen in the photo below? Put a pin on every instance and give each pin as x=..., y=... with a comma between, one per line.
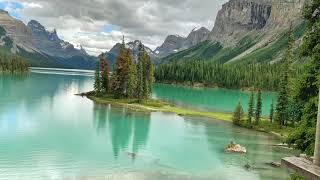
x=210, y=99
x=46, y=132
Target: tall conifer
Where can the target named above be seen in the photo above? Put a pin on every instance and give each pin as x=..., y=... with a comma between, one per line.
x=97, y=80
x=271, y=112
x=140, y=82
x=121, y=74
x=258, y=107
x=132, y=75
x=250, y=108
x=284, y=92
x=238, y=115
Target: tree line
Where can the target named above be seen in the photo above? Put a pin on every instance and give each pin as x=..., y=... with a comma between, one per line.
x=265, y=76
x=297, y=102
x=129, y=79
x=12, y=63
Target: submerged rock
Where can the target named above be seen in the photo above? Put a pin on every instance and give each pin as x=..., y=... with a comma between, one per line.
x=235, y=148
x=274, y=164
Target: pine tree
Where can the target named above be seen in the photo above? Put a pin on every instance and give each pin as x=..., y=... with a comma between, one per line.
x=97, y=81
x=238, y=115
x=284, y=92
x=271, y=112
x=250, y=109
x=132, y=80
x=147, y=76
x=308, y=84
x=150, y=75
x=139, y=91
x=258, y=107
x=104, y=66
x=121, y=74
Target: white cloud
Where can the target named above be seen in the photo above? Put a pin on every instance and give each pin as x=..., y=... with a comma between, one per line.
x=31, y=5
x=83, y=21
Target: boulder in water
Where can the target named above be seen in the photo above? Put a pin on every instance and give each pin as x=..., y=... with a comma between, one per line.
x=235, y=148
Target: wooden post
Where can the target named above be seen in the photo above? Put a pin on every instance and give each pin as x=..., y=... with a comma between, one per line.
x=317, y=143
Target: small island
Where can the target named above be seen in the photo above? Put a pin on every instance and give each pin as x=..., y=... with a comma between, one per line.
x=129, y=83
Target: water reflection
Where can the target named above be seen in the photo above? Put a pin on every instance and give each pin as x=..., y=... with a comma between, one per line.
x=128, y=129
x=29, y=87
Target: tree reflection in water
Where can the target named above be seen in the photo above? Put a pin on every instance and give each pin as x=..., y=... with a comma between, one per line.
x=128, y=129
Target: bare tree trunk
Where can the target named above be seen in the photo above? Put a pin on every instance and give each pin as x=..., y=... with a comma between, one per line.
x=317, y=143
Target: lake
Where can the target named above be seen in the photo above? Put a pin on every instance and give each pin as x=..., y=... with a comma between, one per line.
x=211, y=99
x=46, y=132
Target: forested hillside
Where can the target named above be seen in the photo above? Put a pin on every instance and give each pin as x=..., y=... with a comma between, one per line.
x=216, y=52
x=12, y=63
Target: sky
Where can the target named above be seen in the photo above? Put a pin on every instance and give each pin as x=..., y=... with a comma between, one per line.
x=97, y=25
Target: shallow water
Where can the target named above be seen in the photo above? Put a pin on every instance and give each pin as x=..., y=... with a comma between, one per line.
x=46, y=132
x=211, y=99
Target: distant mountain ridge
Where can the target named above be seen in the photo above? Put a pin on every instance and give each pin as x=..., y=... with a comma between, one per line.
x=244, y=31
x=171, y=45
x=133, y=46
x=176, y=43
x=41, y=47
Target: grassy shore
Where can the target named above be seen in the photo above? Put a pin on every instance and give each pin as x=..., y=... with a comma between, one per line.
x=157, y=105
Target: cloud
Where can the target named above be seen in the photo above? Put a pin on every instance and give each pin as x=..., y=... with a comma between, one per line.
x=98, y=24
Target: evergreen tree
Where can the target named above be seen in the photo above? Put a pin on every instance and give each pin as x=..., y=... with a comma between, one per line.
x=147, y=76
x=120, y=77
x=140, y=82
x=238, y=115
x=258, y=107
x=271, y=112
x=308, y=84
x=250, y=109
x=132, y=80
x=284, y=92
x=97, y=81
x=104, y=66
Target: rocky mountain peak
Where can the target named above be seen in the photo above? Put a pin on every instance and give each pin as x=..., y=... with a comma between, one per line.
x=35, y=26
x=83, y=50
x=196, y=36
x=239, y=18
x=53, y=36
x=176, y=43
x=133, y=46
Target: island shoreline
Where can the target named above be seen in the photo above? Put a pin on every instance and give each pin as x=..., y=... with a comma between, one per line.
x=153, y=105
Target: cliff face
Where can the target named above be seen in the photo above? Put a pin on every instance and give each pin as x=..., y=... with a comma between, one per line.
x=17, y=31
x=284, y=12
x=239, y=18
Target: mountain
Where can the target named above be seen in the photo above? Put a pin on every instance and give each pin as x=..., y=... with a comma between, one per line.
x=176, y=43
x=134, y=46
x=248, y=31
x=39, y=46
